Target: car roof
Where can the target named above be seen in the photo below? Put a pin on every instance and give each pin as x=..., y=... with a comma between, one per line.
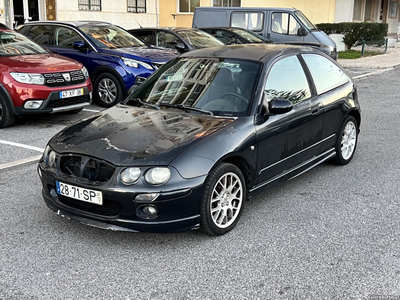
x=256, y=52
x=72, y=23
x=165, y=28
x=247, y=8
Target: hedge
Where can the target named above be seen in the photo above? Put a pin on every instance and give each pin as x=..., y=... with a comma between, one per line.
x=355, y=33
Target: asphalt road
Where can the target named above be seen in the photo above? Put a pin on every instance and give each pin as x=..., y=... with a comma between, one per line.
x=332, y=233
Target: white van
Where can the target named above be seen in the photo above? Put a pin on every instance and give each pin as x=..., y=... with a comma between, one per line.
x=276, y=24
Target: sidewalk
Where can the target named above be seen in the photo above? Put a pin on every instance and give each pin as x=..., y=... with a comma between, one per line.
x=391, y=59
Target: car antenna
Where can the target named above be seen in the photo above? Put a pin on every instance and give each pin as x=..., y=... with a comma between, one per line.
x=140, y=26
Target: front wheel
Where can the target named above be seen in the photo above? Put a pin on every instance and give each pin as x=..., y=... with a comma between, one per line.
x=6, y=118
x=107, y=90
x=223, y=199
x=347, y=141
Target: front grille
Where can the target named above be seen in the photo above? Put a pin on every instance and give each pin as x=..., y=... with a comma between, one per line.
x=109, y=207
x=68, y=101
x=64, y=78
x=86, y=168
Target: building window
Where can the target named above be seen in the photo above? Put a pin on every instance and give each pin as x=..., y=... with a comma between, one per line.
x=89, y=4
x=188, y=6
x=226, y=3
x=363, y=10
x=137, y=6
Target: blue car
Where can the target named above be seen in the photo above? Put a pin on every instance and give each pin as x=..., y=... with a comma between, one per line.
x=116, y=60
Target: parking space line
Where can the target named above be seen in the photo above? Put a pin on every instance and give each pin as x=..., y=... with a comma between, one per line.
x=22, y=146
x=20, y=162
x=372, y=73
x=91, y=110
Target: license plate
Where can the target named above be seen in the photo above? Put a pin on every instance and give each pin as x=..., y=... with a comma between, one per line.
x=71, y=93
x=78, y=193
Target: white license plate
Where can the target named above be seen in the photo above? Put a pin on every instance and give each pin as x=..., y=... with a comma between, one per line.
x=78, y=193
x=71, y=93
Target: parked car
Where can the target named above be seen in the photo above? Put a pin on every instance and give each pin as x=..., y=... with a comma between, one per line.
x=179, y=38
x=207, y=131
x=235, y=35
x=34, y=81
x=114, y=58
x=278, y=24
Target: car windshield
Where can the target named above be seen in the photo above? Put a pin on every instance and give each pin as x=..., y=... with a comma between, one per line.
x=13, y=43
x=250, y=36
x=199, y=39
x=216, y=86
x=305, y=21
x=111, y=37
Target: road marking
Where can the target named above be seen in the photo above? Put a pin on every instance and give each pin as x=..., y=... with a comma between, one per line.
x=91, y=110
x=20, y=162
x=372, y=73
x=22, y=146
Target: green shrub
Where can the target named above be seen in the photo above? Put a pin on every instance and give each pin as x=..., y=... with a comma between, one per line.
x=355, y=33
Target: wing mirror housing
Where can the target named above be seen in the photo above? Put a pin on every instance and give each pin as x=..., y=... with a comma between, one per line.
x=302, y=31
x=278, y=106
x=80, y=45
x=180, y=47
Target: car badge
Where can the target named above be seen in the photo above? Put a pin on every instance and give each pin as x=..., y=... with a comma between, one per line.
x=66, y=76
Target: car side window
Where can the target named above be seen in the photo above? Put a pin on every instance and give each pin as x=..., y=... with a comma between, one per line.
x=65, y=37
x=145, y=36
x=249, y=20
x=284, y=23
x=166, y=40
x=287, y=80
x=326, y=74
x=39, y=34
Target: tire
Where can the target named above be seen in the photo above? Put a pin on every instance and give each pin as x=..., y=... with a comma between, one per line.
x=107, y=90
x=6, y=118
x=222, y=202
x=347, y=141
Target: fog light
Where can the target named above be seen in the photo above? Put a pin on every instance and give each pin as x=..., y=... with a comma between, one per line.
x=33, y=104
x=147, y=212
x=150, y=210
x=146, y=197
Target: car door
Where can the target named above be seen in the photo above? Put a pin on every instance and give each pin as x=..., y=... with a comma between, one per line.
x=284, y=28
x=287, y=141
x=62, y=43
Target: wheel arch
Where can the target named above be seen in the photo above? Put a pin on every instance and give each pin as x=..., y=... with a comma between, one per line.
x=356, y=115
x=106, y=69
x=4, y=94
x=243, y=166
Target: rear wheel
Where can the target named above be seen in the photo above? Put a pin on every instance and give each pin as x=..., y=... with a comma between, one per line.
x=347, y=141
x=107, y=90
x=6, y=119
x=223, y=199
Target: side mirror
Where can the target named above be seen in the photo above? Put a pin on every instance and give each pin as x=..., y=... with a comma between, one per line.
x=279, y=106
x=78, y=45
x=302, y=31
x=180, y=47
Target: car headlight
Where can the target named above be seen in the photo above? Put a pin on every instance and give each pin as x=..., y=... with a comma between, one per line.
x=31, y=78
x=135, y=63
x=49, y=158
x=85, y=72
x=158, y=175
x=130, y=175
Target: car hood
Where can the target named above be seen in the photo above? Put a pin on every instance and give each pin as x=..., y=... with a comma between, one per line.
x=147, y=53
x=40, y=63
x=125, y=135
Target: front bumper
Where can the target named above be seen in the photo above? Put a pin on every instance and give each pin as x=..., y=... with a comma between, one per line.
x=178, y=209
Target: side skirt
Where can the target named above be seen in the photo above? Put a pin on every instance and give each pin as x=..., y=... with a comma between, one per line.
x=295, y=171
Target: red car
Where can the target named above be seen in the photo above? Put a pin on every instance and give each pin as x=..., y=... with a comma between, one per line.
x=33, y=81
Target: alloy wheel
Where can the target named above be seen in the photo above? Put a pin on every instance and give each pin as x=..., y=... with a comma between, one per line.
x=226, y=200
x=107, y=90
x=348, y=142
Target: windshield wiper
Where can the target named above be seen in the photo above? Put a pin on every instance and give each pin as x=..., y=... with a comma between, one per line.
x=144, y=104
x=183, y=107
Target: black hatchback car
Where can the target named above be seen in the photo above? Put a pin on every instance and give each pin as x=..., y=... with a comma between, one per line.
x=179, y=38
x=204, y=133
